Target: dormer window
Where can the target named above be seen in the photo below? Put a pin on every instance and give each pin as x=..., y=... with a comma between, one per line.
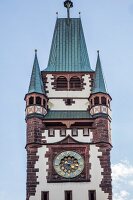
x=61, y=83
x=75, y=83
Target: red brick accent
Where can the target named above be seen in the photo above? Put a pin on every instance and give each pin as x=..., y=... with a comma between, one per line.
x=31, y=172
x=35, y=128
x=100, y=131
x=102, y=138
x=106, y=183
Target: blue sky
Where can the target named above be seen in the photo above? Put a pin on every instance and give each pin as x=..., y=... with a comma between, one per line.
x=27, y=25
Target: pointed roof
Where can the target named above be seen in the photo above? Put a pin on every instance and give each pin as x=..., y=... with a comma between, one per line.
x=99, y=83
x=68, y=50
x=36, y=84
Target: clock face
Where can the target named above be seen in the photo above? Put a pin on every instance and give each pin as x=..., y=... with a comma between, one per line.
x=69, y=164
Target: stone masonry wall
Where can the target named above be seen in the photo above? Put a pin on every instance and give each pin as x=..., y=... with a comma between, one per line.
x=101, y=132
x=35, y=128
x=101, y=136
x=34, y=139
x=32, y=158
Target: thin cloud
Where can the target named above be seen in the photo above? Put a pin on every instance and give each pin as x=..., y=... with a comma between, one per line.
x=122, y=175
x=121, y=170
x=131, y=183
x=122, y=195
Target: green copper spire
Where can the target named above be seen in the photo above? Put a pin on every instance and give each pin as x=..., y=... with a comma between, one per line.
x=68, y=51
x=99, y=84
x=36, y=84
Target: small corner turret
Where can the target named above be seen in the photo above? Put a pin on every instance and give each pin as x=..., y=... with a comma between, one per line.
x=36, y=100
x=99, y=98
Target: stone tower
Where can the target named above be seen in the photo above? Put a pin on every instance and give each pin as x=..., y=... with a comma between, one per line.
x=68, y=121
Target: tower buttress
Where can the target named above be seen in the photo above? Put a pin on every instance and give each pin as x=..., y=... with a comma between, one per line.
x=36, y=104
x=36, y=109
x=101, y=112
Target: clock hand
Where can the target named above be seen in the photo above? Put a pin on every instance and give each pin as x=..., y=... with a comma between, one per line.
x=72, y=166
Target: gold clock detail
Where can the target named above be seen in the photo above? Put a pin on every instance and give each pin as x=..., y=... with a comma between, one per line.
x=69, y=164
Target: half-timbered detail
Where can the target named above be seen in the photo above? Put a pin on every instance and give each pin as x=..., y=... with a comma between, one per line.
x=68, y=116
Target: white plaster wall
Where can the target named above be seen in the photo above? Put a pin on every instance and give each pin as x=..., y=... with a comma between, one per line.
x=59, y=104
x=53, y=93
x=79, y=190
x=57, y=137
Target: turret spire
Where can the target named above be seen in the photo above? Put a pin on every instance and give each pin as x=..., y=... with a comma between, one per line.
x=36, y=84
x=99, y=83
x=68, y=4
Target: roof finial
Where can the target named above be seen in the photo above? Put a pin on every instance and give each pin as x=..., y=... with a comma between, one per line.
x=35, y=51
x=98, y=52
x=57, y=14
x=68, y=4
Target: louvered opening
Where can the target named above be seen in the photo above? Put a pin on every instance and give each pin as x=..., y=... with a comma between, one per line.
x=75, y=83
x=61, y=82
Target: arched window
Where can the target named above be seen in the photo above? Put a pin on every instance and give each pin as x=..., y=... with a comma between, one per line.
x=103, y=101
x=31, y=100
x=38, y=101
x=61, y=82
x=75, y=83
x=44, y=103
x=91, y=102
x=96, y=101
x=109, y=103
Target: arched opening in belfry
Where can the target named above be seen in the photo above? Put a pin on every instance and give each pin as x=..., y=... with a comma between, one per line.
x=38, y=101
x=103, y=101
x=61, y=82
x=31, y=100
x=75, y=83
x=96, y=101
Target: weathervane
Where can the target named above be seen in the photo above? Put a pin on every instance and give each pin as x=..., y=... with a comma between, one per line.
x=68, y=4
